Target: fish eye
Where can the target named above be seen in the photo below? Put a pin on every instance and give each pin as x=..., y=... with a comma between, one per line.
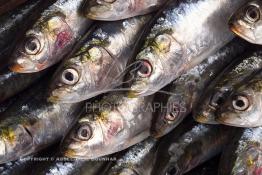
x=70, y=76
x=240, y=103
x=173, y=114
x=253, y=13
x=144, y=69
x=171, y=171
x=217, y=100
x=84, y=132
x=32, y=45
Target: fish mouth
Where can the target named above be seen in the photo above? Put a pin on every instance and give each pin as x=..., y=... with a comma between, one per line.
x=205, y=119
x=236, y=30
x=17, y=68
x=133, y=94
x=53, y=99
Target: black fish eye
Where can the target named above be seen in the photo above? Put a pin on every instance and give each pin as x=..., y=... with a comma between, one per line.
x=240, y=103
x=144, y=69
x=253, y=13
x=171, y=171
x=70, y=76
x=84, y=132
x=32, y=45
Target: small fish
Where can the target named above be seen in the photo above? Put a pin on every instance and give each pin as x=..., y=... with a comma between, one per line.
x=12, y=83
x=99, y=65
x=243, y=107
x=112, y=10
x=194, y=147
x=247, y=22
x=232, y=77
x=51, y=38
x=13, y=25
x=185, y=34
x=31, y=124
x=243, y=156
x=139, y=159
x=6, y=6
x=187, y=89
x=110, y=125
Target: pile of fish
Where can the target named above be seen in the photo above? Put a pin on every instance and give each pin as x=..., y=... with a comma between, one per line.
x=130, y=87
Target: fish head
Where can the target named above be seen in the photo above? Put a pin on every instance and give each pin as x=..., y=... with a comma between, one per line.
x=248, y=160
x=42, y=45
x=15, y=140
x=96, y=134
x=108, y=9
x=242, y=108
x=80, y=75
x=154, y=66
x=247, y=22
x=170, y=116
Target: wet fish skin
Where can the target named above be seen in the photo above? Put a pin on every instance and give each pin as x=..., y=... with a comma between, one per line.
x=244, y=154
x=139, y=159
x=194, y=147
x=230, y=79
x=32, y=124
x=247, y=22
x=12, y=83
x=243, y=107
x=99, y=65
x=14, y=23
x=51, y=37
x=120, y=9
x=5, y=6
x=187, y=89
x=110, y=125
x=182, y=37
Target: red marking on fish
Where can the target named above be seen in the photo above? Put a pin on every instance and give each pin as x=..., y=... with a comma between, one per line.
x=258, y=171
x=63, y=38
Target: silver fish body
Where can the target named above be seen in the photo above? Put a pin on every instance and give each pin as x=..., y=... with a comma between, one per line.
x=185, y=34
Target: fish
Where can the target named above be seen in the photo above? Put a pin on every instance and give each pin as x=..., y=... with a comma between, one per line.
x=199, y=144
x=109, y=125
x=185, y=91
x=100, y=64
x=51, y=37
x=247, y=22
x=243, y=155
x=31, y=123
x=6, y=6
x=184, y=34
x=243, y=107
x=139, y=159
x=14, y=24
x=237, y=73
x=12, y=83
x=114, y=10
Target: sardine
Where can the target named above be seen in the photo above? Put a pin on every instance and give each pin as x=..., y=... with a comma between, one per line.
x=113, y=10
x=12, y=83
x=51, y=38
x=110, y=125
x=32, y=123
x=247, y=22
x=243, y=156
x=13, y=25
x=187, y=89
x=232, y=77
x=138, y=160
x=100, y=64
x=243, y=107
x=185, y=34
x=194, y=147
